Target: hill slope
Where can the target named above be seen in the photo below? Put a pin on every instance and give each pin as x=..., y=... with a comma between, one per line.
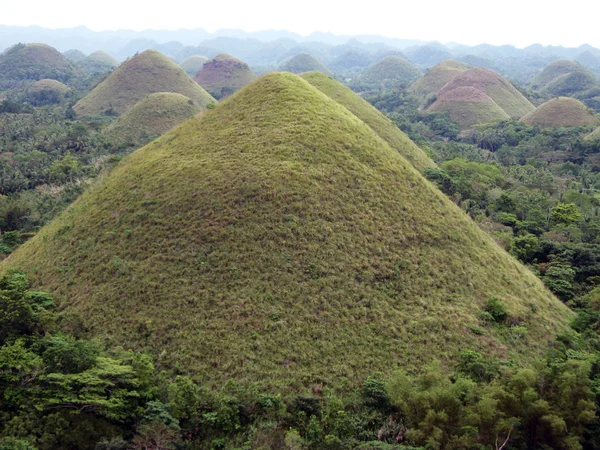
x=594, y=134
x=193, y=64
x=153, y=116
x=144, y=74
x=496, y=87
x=35, y=62
x=304, y=62
x=278, y=240
x=391, y=71
x=46, y=92
x=382, y=125
x=468, y=106
x=223, y=75
x=564, y=77
x=438, y=76
x=561, y=112
x=98, y=63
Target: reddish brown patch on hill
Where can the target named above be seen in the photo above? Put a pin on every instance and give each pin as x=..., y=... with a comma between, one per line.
x=464, y=94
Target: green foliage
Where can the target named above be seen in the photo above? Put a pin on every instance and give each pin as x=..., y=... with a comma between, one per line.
x=565, y=214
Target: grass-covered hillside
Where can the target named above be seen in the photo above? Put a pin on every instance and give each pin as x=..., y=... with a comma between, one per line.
x=496, y=87
x=223, y=75
x=193, y=64
x=74, y=55
x=144, y=74
x=304, y=62
x=468, y=106
x=390, y=72
x=564, y=77
x=46, y=91
x=33, y=62
x=561, y=112
x=594, y=134
x=278, y=240
x=383, y=126
x=438, y=76
x=152, y=117
x=98, y=63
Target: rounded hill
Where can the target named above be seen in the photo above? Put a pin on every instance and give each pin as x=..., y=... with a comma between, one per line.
x=33, y=62
x=193, y=64
x=495, y=86
x=438, y=76
x=390, y=72
x=74, y=55
x=561, y=112
x=144, y=74
x=223, y=75
x=468, y=106
x=277, y=240
x=152, y=117
x=46, y=92
x=98, y=63
x=382, y=125
x=304, y=62
x=564, y=77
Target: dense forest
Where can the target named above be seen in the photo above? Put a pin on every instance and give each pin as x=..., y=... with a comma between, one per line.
x=534, y=189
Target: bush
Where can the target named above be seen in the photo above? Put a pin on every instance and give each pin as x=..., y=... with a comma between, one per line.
x=496, y=309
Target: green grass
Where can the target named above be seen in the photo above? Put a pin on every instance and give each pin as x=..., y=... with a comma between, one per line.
x=561, y=112
x=35, y=62
x=382, y=125
x=564, y=77
x=390, y=72
x=277, y=240
x=304, y=62
x=49, y=86
x=223, y=75
x=437, y=77
x=152, y=117
x=594, y=134
x=468, y=106
x=144, y=74
x=193, y=64
x=496, y=87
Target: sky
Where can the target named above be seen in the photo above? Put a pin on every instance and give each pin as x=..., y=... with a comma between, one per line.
x=470, y=22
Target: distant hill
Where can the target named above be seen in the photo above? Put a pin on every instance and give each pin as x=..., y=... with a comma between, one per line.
x=98, y=63
x=351, y=62
x=135, y=79
x=468, y=106
x=223, y=75
x=561, y=112
x=390, y=72
x=304, y=62
x=437, y=77
x=46, y=92
x=33, y=62
x=381, y=124
x=152, y=117
x=429, y=55
x=279, y=242
x=564, y=77
x=495, y=86
x=193, y=64
x=74, y=55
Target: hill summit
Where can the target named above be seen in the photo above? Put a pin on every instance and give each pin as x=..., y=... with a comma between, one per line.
x=98, y=63
x=561, y=112
x=564, y=77
x=193, y=64
x=144, y=74
x=390, y=72
x=304, y=62
x=278, y=240
x=438, y=76
x=223, y=75
x=33, y=62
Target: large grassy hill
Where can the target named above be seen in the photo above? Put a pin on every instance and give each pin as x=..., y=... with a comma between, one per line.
x=135, y=79
x=304, y=62
x=381, y=124
x=153, y=116
x=468, y=106
x=564, y=77
x=496, y=87
x=223, y=75
x=390, y=72
x=437, y=77
x=32, y=62
x=278, y=240
x=561, y=112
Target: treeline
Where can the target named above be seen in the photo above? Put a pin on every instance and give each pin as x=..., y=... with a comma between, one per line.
x=60, y=389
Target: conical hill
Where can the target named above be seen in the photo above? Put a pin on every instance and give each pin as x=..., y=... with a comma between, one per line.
x=390, y=72
x=193, y=64
x=33, y=62
x=153, y=116
x=223, y=75
x=278, y=240
x=561, y=112
x=382, y=125
x=438, y=76
x=144, y=74
x=305, y=62
x=564, y=77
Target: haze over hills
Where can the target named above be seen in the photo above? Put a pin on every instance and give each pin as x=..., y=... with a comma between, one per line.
x=278, y=240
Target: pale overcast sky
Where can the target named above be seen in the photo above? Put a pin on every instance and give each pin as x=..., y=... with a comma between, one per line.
x=516, y=22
